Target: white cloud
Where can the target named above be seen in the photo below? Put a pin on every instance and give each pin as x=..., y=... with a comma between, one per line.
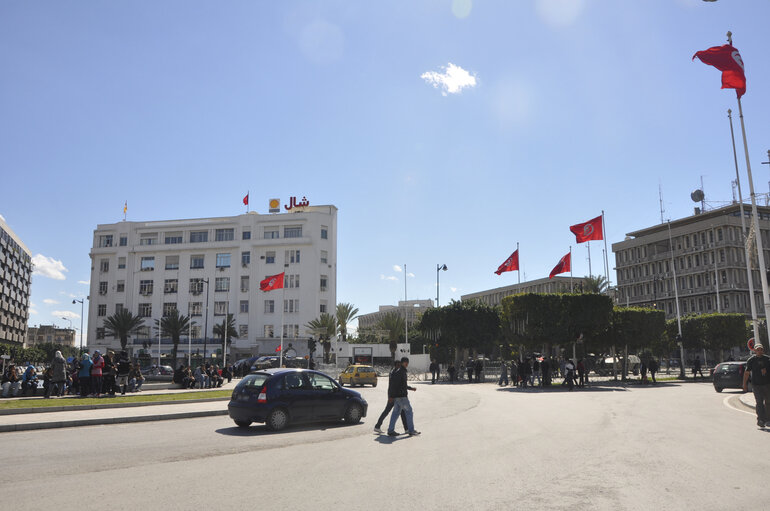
x=48, y=267
x=559, y=13
x=453, y=289
x=452, y=80
x=397, y=268
x=84, y=282
x=410, y=274
x=66, y=314
x=32, y=311
x=49, y=301
x=383, y=277
x=461, y=8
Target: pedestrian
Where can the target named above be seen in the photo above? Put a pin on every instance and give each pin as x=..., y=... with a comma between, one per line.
x=96, y=374
x=643, y=371
x=135, y=378
x=503, y=374
x=535, y=373
x=524, y=371
x=84, y=375
x=434, y=371
x=478, y=368
x=58, y=375
x=569, y=377
x=452, y=371
x=545, y=368
x=469, y=369
x=29, y=381
x=514, y=374
x=758, y=367
x=582, y=376
x=124, y=368
x=696, y=368
x=401, y=400
x=389, y=406
x=653, y=369
x=11, y=382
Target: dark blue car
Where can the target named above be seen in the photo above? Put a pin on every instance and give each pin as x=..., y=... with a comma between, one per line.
x=281, y=396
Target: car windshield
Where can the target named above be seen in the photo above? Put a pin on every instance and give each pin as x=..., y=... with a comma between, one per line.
x=253, y=381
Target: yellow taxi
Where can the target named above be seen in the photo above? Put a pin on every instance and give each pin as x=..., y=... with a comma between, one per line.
x=358, y=375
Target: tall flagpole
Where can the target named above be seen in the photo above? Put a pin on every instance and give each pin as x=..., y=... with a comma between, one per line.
x=518, y=270
x=588, y=245
x=570, y=268
x=744, y=230
x=754, y=213
x=676, y=298
x=406, y=311
x=606, y=254
x=283, y=300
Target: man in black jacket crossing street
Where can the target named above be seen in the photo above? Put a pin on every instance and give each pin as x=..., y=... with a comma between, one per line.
x=389, y=406
x=400, y=388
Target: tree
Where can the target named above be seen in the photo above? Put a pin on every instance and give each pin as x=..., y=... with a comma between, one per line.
x=723, y=331
x=174, y=325
x=225, y=332
x=469, y=324
x=345, y=314
x=324, y=326
x=595, y=284
x=122, y=324
x=394, y=324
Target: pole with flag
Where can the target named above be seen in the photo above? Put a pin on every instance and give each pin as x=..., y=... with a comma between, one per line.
x=727, y=59
x=518, y=269
x=125, y=208
x=246, y=202
x=570, y=269
x=270, y=283
x=510, y=264
x=606, y=254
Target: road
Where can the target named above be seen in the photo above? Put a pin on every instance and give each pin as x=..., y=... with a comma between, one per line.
x=674, y=446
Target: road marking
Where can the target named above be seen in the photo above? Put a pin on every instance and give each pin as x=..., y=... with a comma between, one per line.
x=728, y=405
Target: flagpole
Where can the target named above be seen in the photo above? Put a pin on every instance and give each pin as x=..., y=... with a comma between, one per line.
x=606, y=254
x=248, y=192
x=570, y=268
x=588, y=245
x=283, y=299
x=518, y=254
x=752, y=301
x=676, y=298
x=406, y=311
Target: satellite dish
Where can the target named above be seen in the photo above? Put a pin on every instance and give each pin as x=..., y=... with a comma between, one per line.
x=697, y=196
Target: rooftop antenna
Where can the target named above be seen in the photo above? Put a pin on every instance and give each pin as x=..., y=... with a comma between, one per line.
x=660, y=197
x=734, y=184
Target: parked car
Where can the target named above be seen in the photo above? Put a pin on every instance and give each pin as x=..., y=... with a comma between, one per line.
x=155, y=371
x=274, y=361
x=358, y=374
x=280, y=396
x=729, y=375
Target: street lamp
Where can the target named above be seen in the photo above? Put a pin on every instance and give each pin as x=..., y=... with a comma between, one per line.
x=206, y=321
x=82, y=308
x=439, y=268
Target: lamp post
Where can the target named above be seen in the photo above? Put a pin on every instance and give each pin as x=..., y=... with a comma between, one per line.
x=439, y=268
x=82, y=308
x=206, y=321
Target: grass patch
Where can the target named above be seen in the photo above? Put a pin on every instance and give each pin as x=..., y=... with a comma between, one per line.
x=76, y=401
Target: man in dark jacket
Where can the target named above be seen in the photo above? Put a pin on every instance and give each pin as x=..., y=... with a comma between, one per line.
x=389, y=406
x=758, y=367
x=433, y=371
x=124, y=367
x=401, y=400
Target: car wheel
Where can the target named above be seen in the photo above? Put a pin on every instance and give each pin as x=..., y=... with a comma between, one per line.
x=277, y=419
x=718, y=389
x=243, y=424
x=353, y=414
x=374, y=384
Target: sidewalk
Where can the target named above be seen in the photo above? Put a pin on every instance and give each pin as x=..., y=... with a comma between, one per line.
x=748, y=400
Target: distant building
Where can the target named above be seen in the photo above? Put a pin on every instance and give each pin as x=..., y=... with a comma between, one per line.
x=15, y=280
x=409, y=309
x=494, y=297
x=50, y=334
x=709, y=258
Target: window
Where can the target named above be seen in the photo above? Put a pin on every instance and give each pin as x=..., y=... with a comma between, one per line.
x=323, y=307
x=269, y=257
x=244, y=306
x=101, y=309
x=223, y=260
x=145, y=287
x=324, y=257
x=121, y=263
x=100, y=333
x=196, y=261
x=145, y=310
x=121, y=286
x=195, y=308
x=171, y=286
x=244, y=284
x=324, y=232
x=269, y=306
x=169, y=309
x=271, y=233
x=291, y=257
x=724, y=277
x=291, y=281
x=222, y=284
x=321, y=382
x=243, y=331
x=123, y=241
x=172, y=262
x=195, y=332
x=245, y=258
x=269, y=331
x=102, y=288
x=150, y=238
x=196, y=286
x=722, y=256
x=173, y=238
x=324, y=281
x=105, y=240
x=199, y=236
x=292, y=232
x=220, y=308
x=224, y=234
x=291, y=306
x=720, y=235
x=148, y=263
x=246, y=235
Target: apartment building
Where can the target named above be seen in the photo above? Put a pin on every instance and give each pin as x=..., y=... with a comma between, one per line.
x=15, y=280
x=50, y=334
x=409, y=309
x=494, y=297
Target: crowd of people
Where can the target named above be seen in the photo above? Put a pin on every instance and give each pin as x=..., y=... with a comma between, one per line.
x=203, y=377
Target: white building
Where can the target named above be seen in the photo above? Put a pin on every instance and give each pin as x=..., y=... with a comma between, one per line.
x=208, y=267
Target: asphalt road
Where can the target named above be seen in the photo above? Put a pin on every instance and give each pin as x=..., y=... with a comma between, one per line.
x=674, y=446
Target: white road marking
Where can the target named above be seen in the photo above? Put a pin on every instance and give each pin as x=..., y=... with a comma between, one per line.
x=728, y=405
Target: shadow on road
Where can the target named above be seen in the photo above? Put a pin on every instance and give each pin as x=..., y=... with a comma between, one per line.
x=261, y=429
x=559, y=388
x=387, y=440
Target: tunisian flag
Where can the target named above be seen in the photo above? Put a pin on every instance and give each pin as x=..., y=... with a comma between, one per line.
x=246, y=200
x=278, y=349
x=272, y=282
x=587, y=231
x=727, y=59
x=510, y=264
x=563, y=266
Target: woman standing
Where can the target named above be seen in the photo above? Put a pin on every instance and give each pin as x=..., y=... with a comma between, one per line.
x=96, y=374
x=58, y=375
x=84, y=375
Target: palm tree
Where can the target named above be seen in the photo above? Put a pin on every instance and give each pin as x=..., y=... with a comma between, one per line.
x=394, y=324
x=174, y=325
x=595, y=284
x=121, y=325
x=345, y=314
x=229, y=332
x=324, y=326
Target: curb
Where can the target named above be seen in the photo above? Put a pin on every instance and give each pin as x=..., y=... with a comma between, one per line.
x=748, y=402
x=111, y=420
x=76, y=408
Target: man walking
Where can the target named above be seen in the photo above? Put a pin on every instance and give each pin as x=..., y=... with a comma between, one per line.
x=469, y=369
x=503, y=374
x=389, y=406
x=758, y=366
x=696, y=368
x=434, y=369
x=653, y=368
x=401, y=400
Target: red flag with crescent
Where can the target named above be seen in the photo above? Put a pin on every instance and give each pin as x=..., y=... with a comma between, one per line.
x=278, y=349
x=510, y=264
x=563, y=266
x=727, y=59
x=587, y=231
x=246, y=200
x=272, y=282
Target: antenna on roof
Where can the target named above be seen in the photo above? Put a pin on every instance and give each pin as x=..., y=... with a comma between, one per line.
x=660, y=197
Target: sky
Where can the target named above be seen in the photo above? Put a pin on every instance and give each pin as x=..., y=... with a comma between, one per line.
x=445, y=131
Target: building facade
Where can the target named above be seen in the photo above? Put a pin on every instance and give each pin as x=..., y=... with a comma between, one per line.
x=494, y=297
x=209, y=267
x=50, y=334
x=706, y=251
x=15, y=281
x=408, y=309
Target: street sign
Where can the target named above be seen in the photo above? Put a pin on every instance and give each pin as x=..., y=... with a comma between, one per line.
x=5, y=357
x=750, y=344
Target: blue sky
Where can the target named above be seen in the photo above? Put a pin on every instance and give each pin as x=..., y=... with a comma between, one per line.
x=569, y=107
